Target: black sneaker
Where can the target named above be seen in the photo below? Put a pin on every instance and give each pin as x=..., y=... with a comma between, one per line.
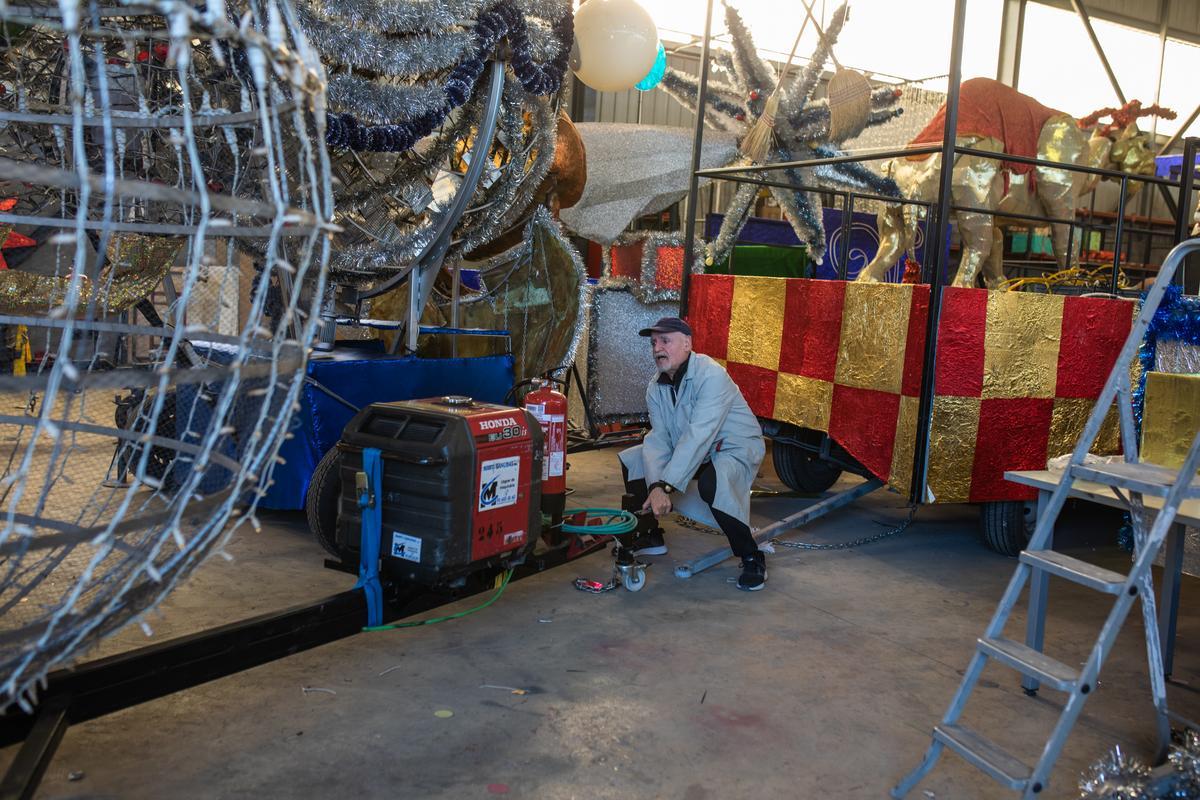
x=754, y=573
x=650, y=543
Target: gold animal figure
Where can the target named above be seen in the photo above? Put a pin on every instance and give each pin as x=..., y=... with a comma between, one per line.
x=999, y=119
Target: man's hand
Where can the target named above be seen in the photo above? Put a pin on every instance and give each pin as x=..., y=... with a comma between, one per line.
x=659, y=502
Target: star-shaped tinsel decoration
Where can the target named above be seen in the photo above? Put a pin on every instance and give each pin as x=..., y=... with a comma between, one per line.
x=801, y=131
x=8, y=237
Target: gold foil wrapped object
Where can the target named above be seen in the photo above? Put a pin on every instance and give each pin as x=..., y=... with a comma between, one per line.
x=1170, y=418
x=756, y=323
x=136, y=263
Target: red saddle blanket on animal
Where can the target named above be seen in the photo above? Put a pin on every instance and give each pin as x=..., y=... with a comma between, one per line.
x=989, y=108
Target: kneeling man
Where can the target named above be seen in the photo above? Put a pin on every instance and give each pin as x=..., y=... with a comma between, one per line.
x=701, y=454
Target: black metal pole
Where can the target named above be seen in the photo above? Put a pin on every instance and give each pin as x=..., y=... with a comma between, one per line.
x=1116, y=269
x=847, y=210
x=802, y=187
x=26, y=771
x=689, y=237
x=879, y=155
x=935, y=244
x=1187, y=180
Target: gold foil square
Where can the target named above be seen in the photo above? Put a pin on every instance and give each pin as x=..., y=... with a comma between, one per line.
x=1020, y=347
x=874, y=330
x=904, y=448
x=1067, y=423
x=803, y=401
x=756, y=321
x=952, y=439
x=1170, y=418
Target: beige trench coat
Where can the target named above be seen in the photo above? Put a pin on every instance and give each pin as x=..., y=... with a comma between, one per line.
x=709, y=421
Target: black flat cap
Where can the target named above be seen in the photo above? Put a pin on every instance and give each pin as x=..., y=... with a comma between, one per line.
x=667, y=325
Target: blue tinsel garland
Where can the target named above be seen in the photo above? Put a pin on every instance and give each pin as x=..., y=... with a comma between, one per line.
x=855, y=171
x=1178, y=319
x=500, y=21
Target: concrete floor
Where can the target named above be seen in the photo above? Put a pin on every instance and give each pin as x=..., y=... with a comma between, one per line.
x=826, y=684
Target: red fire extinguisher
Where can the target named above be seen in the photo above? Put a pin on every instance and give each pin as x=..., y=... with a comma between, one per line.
x=550, y=408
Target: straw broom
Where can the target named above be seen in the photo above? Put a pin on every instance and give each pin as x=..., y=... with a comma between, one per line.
x=849, y=95
x=758, y=141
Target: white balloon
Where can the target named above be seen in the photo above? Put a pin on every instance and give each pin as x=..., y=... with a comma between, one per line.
x=616, y=42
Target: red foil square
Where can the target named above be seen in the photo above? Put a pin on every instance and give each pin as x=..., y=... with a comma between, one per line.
x=961, y=329
x=1013, y=434
x=812, y=325
x=864, y=422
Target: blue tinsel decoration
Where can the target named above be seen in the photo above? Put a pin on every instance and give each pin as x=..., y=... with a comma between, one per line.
x=500, y=21
x=655, y=75
x=1125, y=538
x=856, y=171
x=1177, y=319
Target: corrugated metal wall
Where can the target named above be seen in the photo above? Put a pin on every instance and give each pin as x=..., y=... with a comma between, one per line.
x=654, y=107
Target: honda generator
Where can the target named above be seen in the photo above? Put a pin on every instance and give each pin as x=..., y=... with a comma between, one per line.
x=461, y=486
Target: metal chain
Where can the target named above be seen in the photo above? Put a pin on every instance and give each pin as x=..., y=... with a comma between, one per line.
x=684, y=522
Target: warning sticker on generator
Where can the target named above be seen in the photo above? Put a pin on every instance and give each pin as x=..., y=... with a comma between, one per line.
x=498, y=480
x=406, y=547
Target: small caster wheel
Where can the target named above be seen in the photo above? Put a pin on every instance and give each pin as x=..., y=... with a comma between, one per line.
x=634, y=579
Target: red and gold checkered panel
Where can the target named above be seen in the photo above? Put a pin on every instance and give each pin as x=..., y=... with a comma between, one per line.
x=1017, y=373
x=1017, y=376
x=832, y=356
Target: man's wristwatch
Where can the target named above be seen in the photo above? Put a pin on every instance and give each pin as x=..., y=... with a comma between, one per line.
x=666, y=487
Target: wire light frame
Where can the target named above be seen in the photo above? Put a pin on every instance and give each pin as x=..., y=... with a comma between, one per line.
x=163, y=169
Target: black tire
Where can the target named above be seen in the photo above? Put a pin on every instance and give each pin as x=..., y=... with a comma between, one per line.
x=130, y=415
x=1007, y=525
x=801, y=470
x=321, y=503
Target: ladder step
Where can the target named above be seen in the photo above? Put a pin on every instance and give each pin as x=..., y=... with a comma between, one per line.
x=1064, y=566
x=1030, y=662
x=1140, y=476
x=984, y=754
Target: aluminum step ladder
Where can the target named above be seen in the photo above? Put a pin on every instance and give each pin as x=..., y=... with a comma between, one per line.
x=1131, y=480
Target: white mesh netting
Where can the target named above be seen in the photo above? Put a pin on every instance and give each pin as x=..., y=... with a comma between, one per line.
x=164, y=207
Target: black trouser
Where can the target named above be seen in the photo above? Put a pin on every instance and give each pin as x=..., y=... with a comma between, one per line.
x=741, y=540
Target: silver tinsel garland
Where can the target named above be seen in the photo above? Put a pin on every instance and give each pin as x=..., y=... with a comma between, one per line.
x=646, y=288
x=399, y=16
x=513, y=190
x=389, y=64
x=368, y=50
x=384, y=100
x=1121, y=777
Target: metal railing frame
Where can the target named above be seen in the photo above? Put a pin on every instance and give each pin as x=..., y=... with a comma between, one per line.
x=938, y=215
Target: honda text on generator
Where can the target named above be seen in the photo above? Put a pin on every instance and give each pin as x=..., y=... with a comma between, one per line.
x=467, y=488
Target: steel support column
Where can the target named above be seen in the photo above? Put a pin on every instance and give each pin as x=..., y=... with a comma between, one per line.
x=935, y=252
x=1108, y=70
x=689, y=237
x=1012, y=33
